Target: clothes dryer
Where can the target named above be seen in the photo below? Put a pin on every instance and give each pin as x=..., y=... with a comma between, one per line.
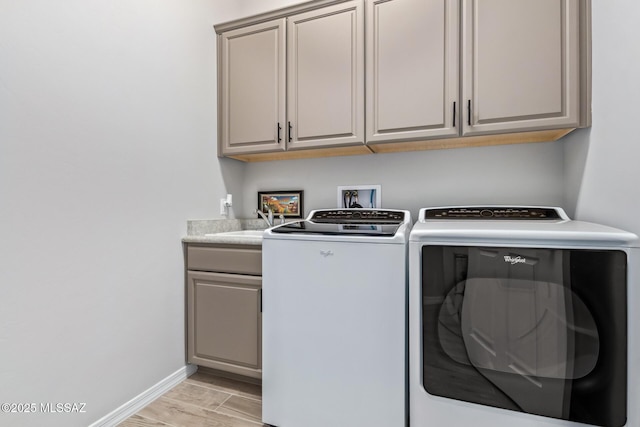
x=519, y=316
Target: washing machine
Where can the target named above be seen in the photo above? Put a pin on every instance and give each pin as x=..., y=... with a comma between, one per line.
x=334, y=316
x=520, y=316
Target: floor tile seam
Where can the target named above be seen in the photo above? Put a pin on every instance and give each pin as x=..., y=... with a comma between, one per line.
x=238, y=417
x=255, y=399
x=223, y=402
x=210, y=410
x=208, y=387
x=212, y=388
x=146, y=417
x=223, y=390
x=182, y=402
x=234, y=410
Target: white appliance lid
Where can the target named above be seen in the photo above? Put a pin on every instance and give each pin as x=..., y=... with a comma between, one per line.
x=538, y=230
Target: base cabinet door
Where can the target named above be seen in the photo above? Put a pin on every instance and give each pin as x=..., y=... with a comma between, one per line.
x=521, y=65
x=411, y=69
x=224, y=322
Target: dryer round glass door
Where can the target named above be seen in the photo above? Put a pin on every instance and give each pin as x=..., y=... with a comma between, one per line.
x=541, y=331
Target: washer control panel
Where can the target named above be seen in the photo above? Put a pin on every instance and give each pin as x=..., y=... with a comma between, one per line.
x=358, y=215
x=492, y=212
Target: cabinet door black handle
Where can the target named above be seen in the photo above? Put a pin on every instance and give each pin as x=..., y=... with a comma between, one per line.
x=454, y=114
x=260, y=296
x=469, y=112
x=279, y=129
x=290, y=131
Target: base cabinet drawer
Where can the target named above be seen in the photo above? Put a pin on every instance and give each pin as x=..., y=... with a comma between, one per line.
x=241, y=260
x=224, y=322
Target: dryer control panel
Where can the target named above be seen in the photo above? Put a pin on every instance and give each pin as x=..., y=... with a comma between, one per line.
x=492, y=212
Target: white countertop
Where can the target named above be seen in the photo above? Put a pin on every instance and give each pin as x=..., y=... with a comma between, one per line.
x=225, y=231
x=228, y=238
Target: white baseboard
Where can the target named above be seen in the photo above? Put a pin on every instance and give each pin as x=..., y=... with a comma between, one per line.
x=120, y=414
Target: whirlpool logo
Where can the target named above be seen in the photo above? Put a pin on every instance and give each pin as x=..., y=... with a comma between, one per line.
x=514, y=260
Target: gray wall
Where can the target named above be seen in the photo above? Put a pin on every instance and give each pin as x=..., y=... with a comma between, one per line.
x=601, y=164
x=107, y=148
x=516, y=174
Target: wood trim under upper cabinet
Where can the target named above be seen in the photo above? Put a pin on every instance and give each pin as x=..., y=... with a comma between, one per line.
x=472, y=141
x=304, y=154
x=396, y=147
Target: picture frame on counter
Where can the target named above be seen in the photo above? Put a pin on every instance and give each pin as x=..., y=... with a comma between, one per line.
x=287, y=203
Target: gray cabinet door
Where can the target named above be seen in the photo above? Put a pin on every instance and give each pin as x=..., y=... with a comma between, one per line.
x=412, y=69
x=224, y=322
x=325, y=74
x=252, y=88
x=520, y=65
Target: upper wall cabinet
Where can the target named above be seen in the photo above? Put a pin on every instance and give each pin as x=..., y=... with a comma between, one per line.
x=524, y=68
x=252, y=88
x=412, y=69
x=520, y=65
x=323, y=84
x=438, y=73
x=326, y=76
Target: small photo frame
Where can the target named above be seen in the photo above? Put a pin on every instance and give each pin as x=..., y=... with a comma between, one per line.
x=287, y=203
x=359, y=196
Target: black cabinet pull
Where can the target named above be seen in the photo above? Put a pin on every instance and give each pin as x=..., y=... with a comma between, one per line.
x=279, y=129
x=454, y=114
x=290, y=131
x=469, y=112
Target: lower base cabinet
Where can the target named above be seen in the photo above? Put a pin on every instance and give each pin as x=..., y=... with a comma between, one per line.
x=224, y=320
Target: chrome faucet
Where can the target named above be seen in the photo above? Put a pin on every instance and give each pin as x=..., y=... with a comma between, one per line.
x=269, y=217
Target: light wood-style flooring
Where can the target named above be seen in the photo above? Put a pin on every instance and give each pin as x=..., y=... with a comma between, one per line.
x=204, y=399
